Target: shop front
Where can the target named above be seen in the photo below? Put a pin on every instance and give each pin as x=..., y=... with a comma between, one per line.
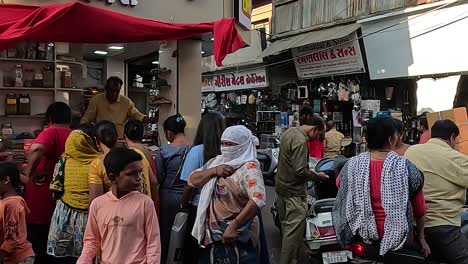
x=242, y=97
x=329, y=75
x=416, y=56
x=54, y=60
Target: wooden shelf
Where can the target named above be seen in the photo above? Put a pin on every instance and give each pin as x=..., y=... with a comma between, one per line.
x=26, y=60
x=139, y=90
x=160, y=71
x=27, y=89
x=160, y=103
x=22, y=116
x=76, y=63
x=69, y=90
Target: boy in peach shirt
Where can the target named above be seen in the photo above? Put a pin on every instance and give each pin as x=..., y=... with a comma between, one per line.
x=122, y=223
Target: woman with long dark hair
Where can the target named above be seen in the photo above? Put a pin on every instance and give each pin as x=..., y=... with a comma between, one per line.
x=206, y=146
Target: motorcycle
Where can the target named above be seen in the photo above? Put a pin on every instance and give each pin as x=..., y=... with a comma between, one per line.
x=268, y=159
x=321, y=239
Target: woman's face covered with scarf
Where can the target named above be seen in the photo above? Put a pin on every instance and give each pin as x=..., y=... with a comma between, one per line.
x=238, y=146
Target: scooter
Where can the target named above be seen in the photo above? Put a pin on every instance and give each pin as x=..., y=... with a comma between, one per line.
x=268, y=159
x=323, y=244
x=320, y=239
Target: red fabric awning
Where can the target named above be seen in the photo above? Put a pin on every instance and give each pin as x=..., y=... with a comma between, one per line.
x=78, y=22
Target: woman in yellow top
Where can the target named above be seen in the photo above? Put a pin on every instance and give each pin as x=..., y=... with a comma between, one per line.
x=69, y=220
x=106, y=137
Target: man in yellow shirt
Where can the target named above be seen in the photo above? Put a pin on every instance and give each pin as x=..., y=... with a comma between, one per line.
x=113, y=106
x=446, y=180
x=332, y=140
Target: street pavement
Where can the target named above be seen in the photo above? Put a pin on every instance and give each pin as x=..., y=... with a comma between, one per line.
x=272, y=233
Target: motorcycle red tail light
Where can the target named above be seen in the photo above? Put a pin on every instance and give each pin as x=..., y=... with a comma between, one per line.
x=357, y=249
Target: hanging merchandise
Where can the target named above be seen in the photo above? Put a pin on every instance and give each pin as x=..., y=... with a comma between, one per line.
x=322, y=90
x=238, y=99
x=343, y=92
x=356, y=97
x=244, y=99
x=332, y=91
x=251, y=99
x=211, y=100
x=223, y=99
x=389, y=93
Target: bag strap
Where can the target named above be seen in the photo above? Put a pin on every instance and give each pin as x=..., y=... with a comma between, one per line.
x=177, y=177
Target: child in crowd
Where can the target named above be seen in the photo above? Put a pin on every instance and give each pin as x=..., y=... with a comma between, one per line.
x=15, y=249
x=122, y=223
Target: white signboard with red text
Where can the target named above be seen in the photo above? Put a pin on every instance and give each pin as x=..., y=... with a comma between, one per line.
x=329, y=58
x=250, y=79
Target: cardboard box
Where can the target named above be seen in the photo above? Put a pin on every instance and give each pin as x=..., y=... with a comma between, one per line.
x=457, y=115
x=463, y=147
x=463, y=132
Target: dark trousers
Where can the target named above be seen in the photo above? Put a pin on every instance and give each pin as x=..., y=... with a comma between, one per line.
x=217, y=252
x=38, y=235
x=191, y=248
x=448, y=244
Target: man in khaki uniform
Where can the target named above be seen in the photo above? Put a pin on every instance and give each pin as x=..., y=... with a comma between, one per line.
x=291, y=179
x=445, y=173
x=332, y=140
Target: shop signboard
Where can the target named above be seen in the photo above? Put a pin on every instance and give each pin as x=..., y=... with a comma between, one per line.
x=242, y=13
x=329, y=58
x=242, y=80
x=131, y=3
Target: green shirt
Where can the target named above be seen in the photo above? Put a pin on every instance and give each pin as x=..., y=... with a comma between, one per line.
x=293, y=164
x=119, y=112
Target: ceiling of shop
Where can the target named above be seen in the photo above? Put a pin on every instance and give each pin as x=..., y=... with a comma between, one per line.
x=130, y=51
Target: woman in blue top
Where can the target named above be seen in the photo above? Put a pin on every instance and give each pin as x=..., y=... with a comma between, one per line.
x=206, y=146
x=169, y=162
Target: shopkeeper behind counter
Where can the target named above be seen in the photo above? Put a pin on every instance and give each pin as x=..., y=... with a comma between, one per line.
x=113, y=106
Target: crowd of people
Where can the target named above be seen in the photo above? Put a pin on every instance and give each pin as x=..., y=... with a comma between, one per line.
x=89, y=200
x=393, y=196
x=86, y=198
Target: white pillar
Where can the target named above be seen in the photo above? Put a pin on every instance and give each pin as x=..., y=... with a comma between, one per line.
x=190, y=84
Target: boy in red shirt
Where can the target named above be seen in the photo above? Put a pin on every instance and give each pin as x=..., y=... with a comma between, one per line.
x=14, y=249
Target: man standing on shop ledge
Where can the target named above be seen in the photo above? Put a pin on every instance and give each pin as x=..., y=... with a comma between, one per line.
x=445, y=173
x=291, y=179
x=333, y=140
x=113, y=106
